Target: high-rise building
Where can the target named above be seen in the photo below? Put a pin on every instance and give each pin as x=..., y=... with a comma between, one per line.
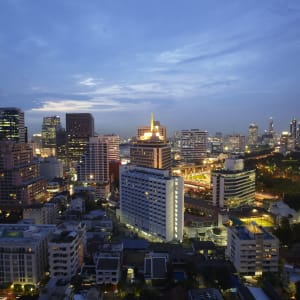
x=233, y=186
x=113, y=146
x=20, y=180
x=193, y=145
x=152, y=201
x=253, y=135
x=94, y=165
x=49, y=128
x=61, y=144
x=24, y=253
x=79, y=128
x=252, y=249
x=12, y=124
x=151, y=150
x=271, y=126
x=293, y=129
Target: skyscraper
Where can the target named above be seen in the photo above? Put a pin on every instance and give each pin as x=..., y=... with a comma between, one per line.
x=20, y=180
x=49, y=129
x=252, y=135
x=94, y=165
x=12, y=124
x=79, y=127
x=150, y=199
x=151, y=149
x=293, y=129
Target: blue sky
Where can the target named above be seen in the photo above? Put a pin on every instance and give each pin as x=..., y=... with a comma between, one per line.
x=214, y=65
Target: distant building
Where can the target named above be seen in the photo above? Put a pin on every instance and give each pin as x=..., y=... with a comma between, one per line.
x=252, y=135
x=233, y=187
x=252, y=249
x=234, y=143
x=23, y=253
x=152, y=201
x=79, y=128
x=20, y=180
x=193, y=145
x=12, y=127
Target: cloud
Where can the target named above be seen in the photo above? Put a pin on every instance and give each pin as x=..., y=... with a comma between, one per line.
x=90, y=81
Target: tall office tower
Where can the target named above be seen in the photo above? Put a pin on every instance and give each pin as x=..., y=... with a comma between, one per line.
x=155, y=129
x=233, y=186
x=151, y=150
x=23, y=254
x=293, y=129
x=79, y=128
x=271, y=126
x=152, y=201
x=252, y=249
x=113, y=146
x=94, y=165
x=49, y=129
x=234, y=143
x=20, y=180
x=12, y=124
x=253, y=135
x=193, y=145
x=61, y=143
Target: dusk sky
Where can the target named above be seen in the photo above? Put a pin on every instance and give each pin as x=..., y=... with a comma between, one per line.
x=213, y=65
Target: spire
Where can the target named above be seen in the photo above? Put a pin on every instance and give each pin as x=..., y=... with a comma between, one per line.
x=152, y=122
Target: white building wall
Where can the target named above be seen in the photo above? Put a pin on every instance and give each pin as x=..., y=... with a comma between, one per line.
x=147, y=201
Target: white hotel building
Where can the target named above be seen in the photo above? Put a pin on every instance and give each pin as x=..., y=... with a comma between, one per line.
x=152, y=201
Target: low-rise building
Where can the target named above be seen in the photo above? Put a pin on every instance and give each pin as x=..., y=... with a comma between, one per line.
x=66, y=249
x=108, y=264
x=252, y=249
x=23, y=253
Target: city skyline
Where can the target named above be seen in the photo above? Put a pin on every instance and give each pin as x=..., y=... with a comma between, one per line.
x=210, y=65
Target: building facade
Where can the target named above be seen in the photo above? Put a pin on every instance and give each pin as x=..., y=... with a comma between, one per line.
x=66, y=250
x=193, y=145
x=79, y=128
x=49, y=128
x=152, y=201
x=252, y=249
x=20, y=180
x=151, y=149
x=155, y=155
x=233, y=187
x=12, y=125
x=23, y=253
x=94, y=165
